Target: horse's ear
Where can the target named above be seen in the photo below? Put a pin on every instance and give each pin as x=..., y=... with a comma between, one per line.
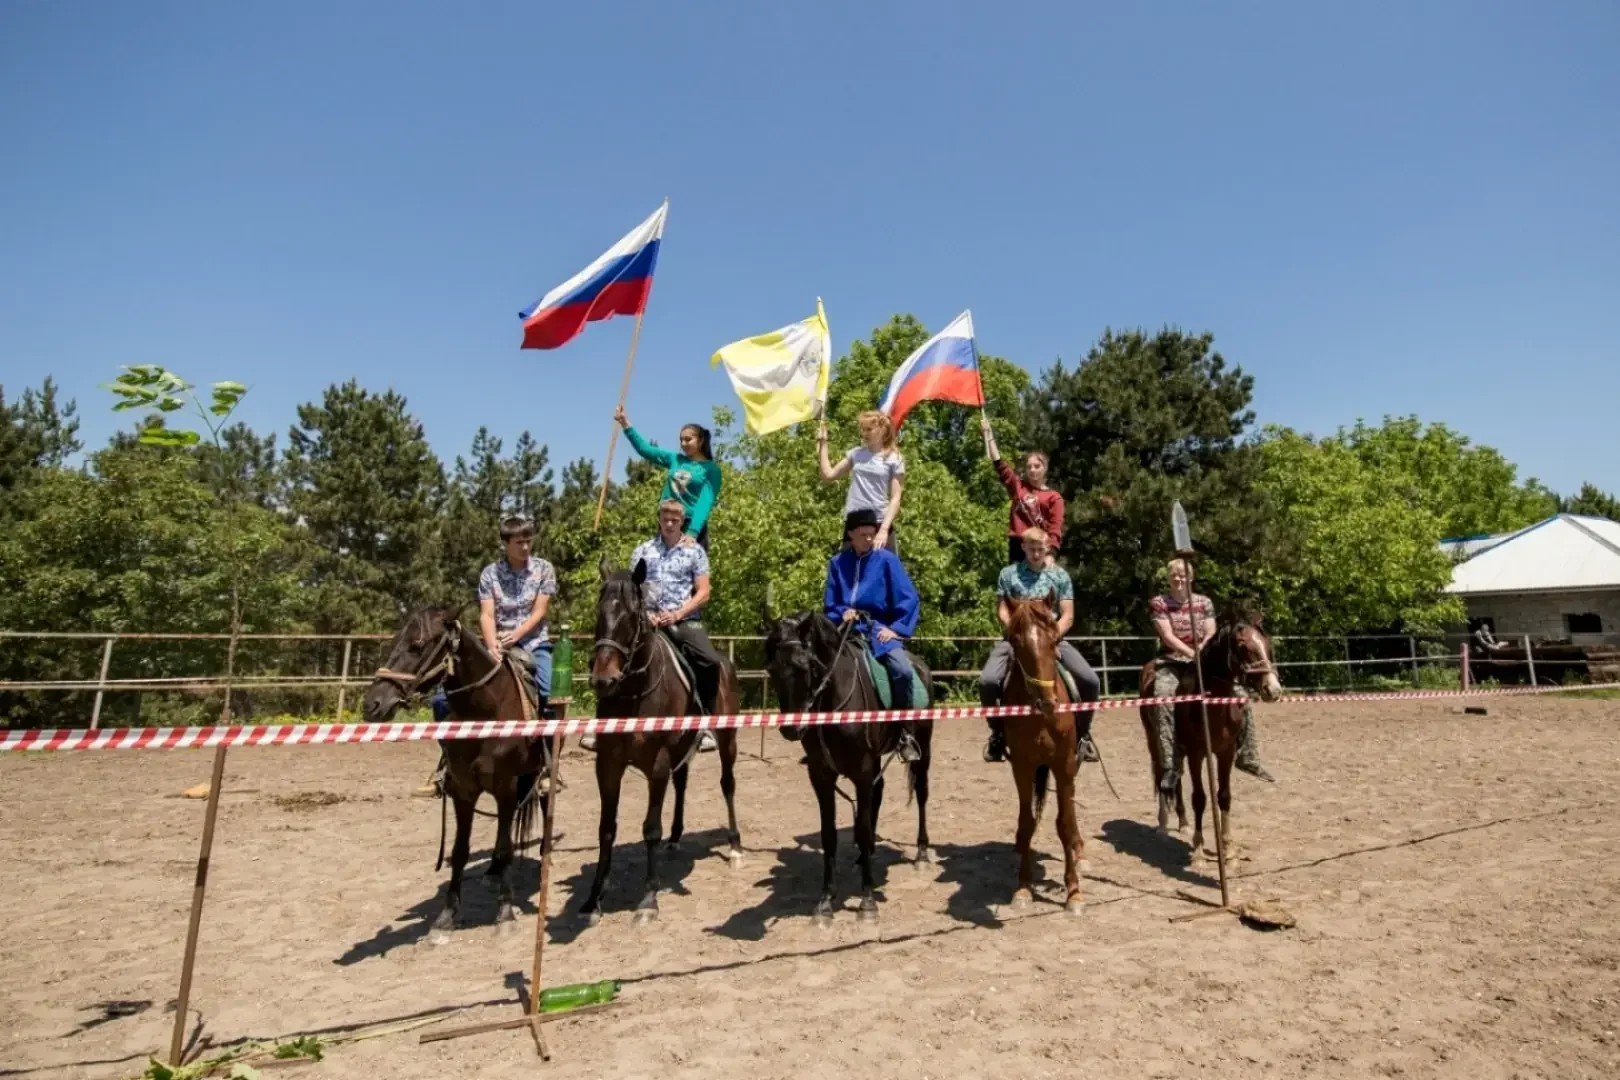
x=639, y=575
x=604, y=567
x=1052, y=602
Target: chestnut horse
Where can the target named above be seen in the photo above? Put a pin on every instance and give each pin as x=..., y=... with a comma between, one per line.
x=634, y=673
x=430, y=649
x=814, y=667
x=1041, y=744
x=1238, y=655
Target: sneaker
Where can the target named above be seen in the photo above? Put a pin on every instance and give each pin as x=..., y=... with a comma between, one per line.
x=908, y=749
x=587, y=741
x=706, y=742
x=1088, y=750
x=1256, y=770
x=995, y=748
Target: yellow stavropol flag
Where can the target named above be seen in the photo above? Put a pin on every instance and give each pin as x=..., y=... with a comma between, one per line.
x=781, y=377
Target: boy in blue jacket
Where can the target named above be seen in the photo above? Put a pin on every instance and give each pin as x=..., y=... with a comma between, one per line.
x=869, y=585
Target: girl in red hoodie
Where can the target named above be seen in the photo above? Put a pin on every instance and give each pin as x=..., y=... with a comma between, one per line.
x=1034, y=505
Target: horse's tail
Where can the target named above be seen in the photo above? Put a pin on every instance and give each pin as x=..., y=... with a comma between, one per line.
x=1043, y=776
x=529, y=800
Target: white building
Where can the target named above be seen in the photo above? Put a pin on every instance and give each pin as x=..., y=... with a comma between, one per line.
x=1556, y=580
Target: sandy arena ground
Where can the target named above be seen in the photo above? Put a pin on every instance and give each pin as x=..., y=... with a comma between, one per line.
x=1455, y=878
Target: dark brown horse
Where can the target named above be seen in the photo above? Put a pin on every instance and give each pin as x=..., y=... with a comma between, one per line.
x=431, y=649
x=1238, y=655
x=635, y=673
x=1042, y=744
x=813, y=667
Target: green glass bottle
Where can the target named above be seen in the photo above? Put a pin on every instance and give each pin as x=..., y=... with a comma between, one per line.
x=572, y=996
x=562, y=664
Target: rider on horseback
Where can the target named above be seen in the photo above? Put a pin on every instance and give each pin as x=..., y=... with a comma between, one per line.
x=676, y=589
x=514, y=594
x=1185, y=623
x=1036, y=576
x=869, y=586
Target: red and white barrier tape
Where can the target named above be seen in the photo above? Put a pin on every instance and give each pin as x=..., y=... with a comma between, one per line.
x=323, y=734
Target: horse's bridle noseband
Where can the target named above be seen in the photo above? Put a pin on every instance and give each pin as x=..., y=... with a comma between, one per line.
x=443, y=663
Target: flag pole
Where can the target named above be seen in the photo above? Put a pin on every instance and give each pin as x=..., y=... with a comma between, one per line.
x=624, y=392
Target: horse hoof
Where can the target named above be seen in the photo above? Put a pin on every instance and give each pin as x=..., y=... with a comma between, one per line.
x=925, y=857
x=672, y=845
x=504, y=914
x=593, y=918
x=1075, y=906
x=439, y=937
x=868, y=912
x=1021, y=900
x=646, y=915
x=734, y=857
x=823, y=919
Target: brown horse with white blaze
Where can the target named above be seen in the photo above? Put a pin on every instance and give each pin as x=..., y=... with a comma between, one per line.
x=1042, y=744
x=1239, y=655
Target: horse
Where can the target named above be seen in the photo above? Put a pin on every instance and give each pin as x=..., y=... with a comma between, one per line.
x=814, y=667
x=1238, y=654
x=634, y=672
x=432, y=648
x=1042, y=744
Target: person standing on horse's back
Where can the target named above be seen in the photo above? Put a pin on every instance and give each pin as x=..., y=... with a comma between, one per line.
x=1185, y=623
x=876, y=473
x=1033, y=577
x=867, y=584
x=692, y=478
x=514, y=595
x=675, y=591
x=1034, y=505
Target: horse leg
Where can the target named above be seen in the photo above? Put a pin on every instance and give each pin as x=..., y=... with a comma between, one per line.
x=450, y=917
x=727, y=745
x=868, y=796
x=609, y=776
x=823, y=781
x=1069, y=832
x=501, y=860
x=652, y=830
x=678, y=826
x=1223, y=799
x=1200, y=799
x=919, y=790
x=1024, y=777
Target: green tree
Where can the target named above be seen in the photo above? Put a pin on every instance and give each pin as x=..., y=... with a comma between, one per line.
x=1365, y=558
x=1592, y=501
x=368, y=489
x=35, y=433
x=484, y=488
x=1139, y=423
x=1469, y=489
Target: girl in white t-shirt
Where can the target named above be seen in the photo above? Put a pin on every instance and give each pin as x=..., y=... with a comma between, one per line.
x=875, y=469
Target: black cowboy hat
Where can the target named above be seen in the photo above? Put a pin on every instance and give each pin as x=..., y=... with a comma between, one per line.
x=857, y=518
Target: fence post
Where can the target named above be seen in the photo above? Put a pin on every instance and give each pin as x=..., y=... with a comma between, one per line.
x=1465, y=667
x=101, y=685
x=1411, y=647
x=1349, y=673
x=1104, y=644
x=1530, y=658
x=343, y=678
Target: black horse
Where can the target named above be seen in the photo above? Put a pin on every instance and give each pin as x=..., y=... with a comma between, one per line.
x=430, y=649
x=814, y=667
x=634, y=673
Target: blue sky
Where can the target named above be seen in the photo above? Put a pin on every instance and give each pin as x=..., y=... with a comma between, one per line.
x=1388, y=208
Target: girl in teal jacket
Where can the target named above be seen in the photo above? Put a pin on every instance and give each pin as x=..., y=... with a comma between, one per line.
x=692, y=477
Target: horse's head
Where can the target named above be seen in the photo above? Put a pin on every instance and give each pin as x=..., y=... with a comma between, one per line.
x=1251, y=664
x=1033, y=632
x=422, y=654
x=621, y=625
x=796, y=656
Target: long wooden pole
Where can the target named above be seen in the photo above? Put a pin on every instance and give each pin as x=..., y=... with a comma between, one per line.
x=199, y=886
x=613, y=441
x=545, y=891
x=1209, y=766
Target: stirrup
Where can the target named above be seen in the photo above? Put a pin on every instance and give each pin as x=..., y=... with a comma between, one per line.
x=995, y=748
x=907, y=749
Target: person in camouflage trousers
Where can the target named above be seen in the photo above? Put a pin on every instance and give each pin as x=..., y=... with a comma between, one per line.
x=1185, y=622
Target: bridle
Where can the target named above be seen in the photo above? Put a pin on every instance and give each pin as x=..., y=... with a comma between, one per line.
x=1048, y=685
x=812, y=661
x=641, y=628
x=441, y=663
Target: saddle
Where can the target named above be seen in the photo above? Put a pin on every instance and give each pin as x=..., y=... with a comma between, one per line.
x=682, y=668
x=1063, y=673
x=880, y=680
x=521, y=662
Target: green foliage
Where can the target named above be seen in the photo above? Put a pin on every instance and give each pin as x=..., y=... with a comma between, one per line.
x=1592, y=501
x=1364, y=556
x=35, y=434
x=1141, y=422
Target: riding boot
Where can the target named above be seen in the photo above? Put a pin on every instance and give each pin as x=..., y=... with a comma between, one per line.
x=908, y=749
x=1084, y=748
x=1248, y=749
x=995, y=748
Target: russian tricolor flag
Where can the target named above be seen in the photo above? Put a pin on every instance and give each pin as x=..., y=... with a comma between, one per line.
x=615, y=284
x=946, y=368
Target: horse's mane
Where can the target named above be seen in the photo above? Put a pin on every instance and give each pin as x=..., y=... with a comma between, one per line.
x=1026, y=612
